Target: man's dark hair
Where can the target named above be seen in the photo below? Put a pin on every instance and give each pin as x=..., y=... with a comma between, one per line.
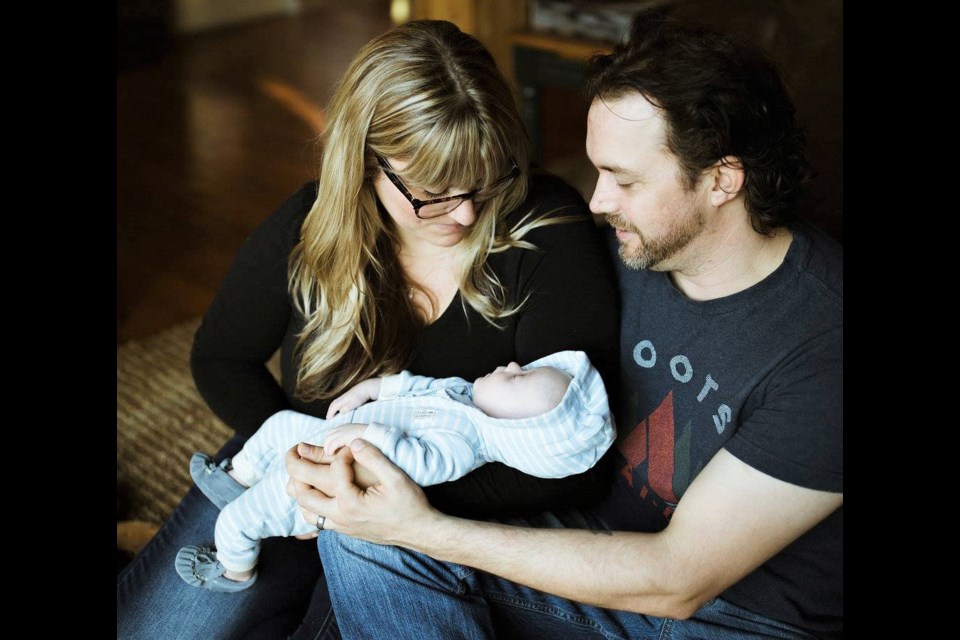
x=720, y=96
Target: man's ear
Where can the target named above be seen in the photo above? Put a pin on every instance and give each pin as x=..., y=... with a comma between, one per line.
x=728, y=179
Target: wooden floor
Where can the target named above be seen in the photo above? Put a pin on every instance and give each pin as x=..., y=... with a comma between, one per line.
x=213, y=137
x=210, y=140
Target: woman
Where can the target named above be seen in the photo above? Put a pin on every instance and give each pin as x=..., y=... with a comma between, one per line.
x=425, y=245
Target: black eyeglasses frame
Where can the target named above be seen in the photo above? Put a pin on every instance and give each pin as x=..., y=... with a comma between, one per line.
x=419, y=204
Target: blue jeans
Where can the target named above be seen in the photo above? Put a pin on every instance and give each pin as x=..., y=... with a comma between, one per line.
x=389, y=592
x=154, y=602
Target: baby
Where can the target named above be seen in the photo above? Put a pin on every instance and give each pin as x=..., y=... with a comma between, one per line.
x=549, y=419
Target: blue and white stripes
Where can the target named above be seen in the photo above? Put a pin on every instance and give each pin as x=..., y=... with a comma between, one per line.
x=430, y=429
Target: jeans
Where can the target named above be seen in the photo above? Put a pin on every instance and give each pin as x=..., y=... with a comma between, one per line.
x=388, y=592
x=154, y=602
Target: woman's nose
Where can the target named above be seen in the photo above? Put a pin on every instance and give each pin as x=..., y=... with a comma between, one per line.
x=465, y=214
x=513, y=367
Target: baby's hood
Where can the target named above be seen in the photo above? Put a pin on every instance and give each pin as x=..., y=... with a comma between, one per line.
x=586, y=398
x=579, y=425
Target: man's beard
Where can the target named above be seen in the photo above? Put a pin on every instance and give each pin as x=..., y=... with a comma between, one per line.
x=651, y=253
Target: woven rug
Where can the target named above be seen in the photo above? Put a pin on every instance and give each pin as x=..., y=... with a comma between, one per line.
x=161, y=421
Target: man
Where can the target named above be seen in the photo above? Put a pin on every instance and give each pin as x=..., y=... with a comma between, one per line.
x=726, y=519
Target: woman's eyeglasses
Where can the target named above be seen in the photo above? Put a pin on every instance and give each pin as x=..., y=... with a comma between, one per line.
x=425, y=209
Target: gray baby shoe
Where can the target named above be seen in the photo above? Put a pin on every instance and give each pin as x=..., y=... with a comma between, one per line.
x=199, y=567
x=214, y=481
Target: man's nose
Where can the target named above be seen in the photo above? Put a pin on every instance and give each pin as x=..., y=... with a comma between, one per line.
x=603, y=200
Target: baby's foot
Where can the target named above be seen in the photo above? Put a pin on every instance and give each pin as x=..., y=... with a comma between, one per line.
x=214, y=480
x=199, y=567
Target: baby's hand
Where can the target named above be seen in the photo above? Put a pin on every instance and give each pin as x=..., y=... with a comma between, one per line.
x=347, y=402
x=342, y=436
x=351, y=399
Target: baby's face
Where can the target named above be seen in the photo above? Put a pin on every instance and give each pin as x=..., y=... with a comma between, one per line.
x=512, y=392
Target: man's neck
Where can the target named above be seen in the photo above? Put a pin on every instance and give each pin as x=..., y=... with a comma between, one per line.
x=730, y=258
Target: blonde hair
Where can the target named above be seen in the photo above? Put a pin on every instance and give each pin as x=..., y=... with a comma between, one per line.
x=432, y=95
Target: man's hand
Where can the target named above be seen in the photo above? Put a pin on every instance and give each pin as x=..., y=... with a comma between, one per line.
x=308, y=468
x=355, y=396
x=392, y=510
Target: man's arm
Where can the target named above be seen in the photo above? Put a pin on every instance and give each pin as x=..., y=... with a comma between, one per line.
x=731, y=519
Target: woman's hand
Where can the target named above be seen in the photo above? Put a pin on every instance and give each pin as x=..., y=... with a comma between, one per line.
x=391, y=510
